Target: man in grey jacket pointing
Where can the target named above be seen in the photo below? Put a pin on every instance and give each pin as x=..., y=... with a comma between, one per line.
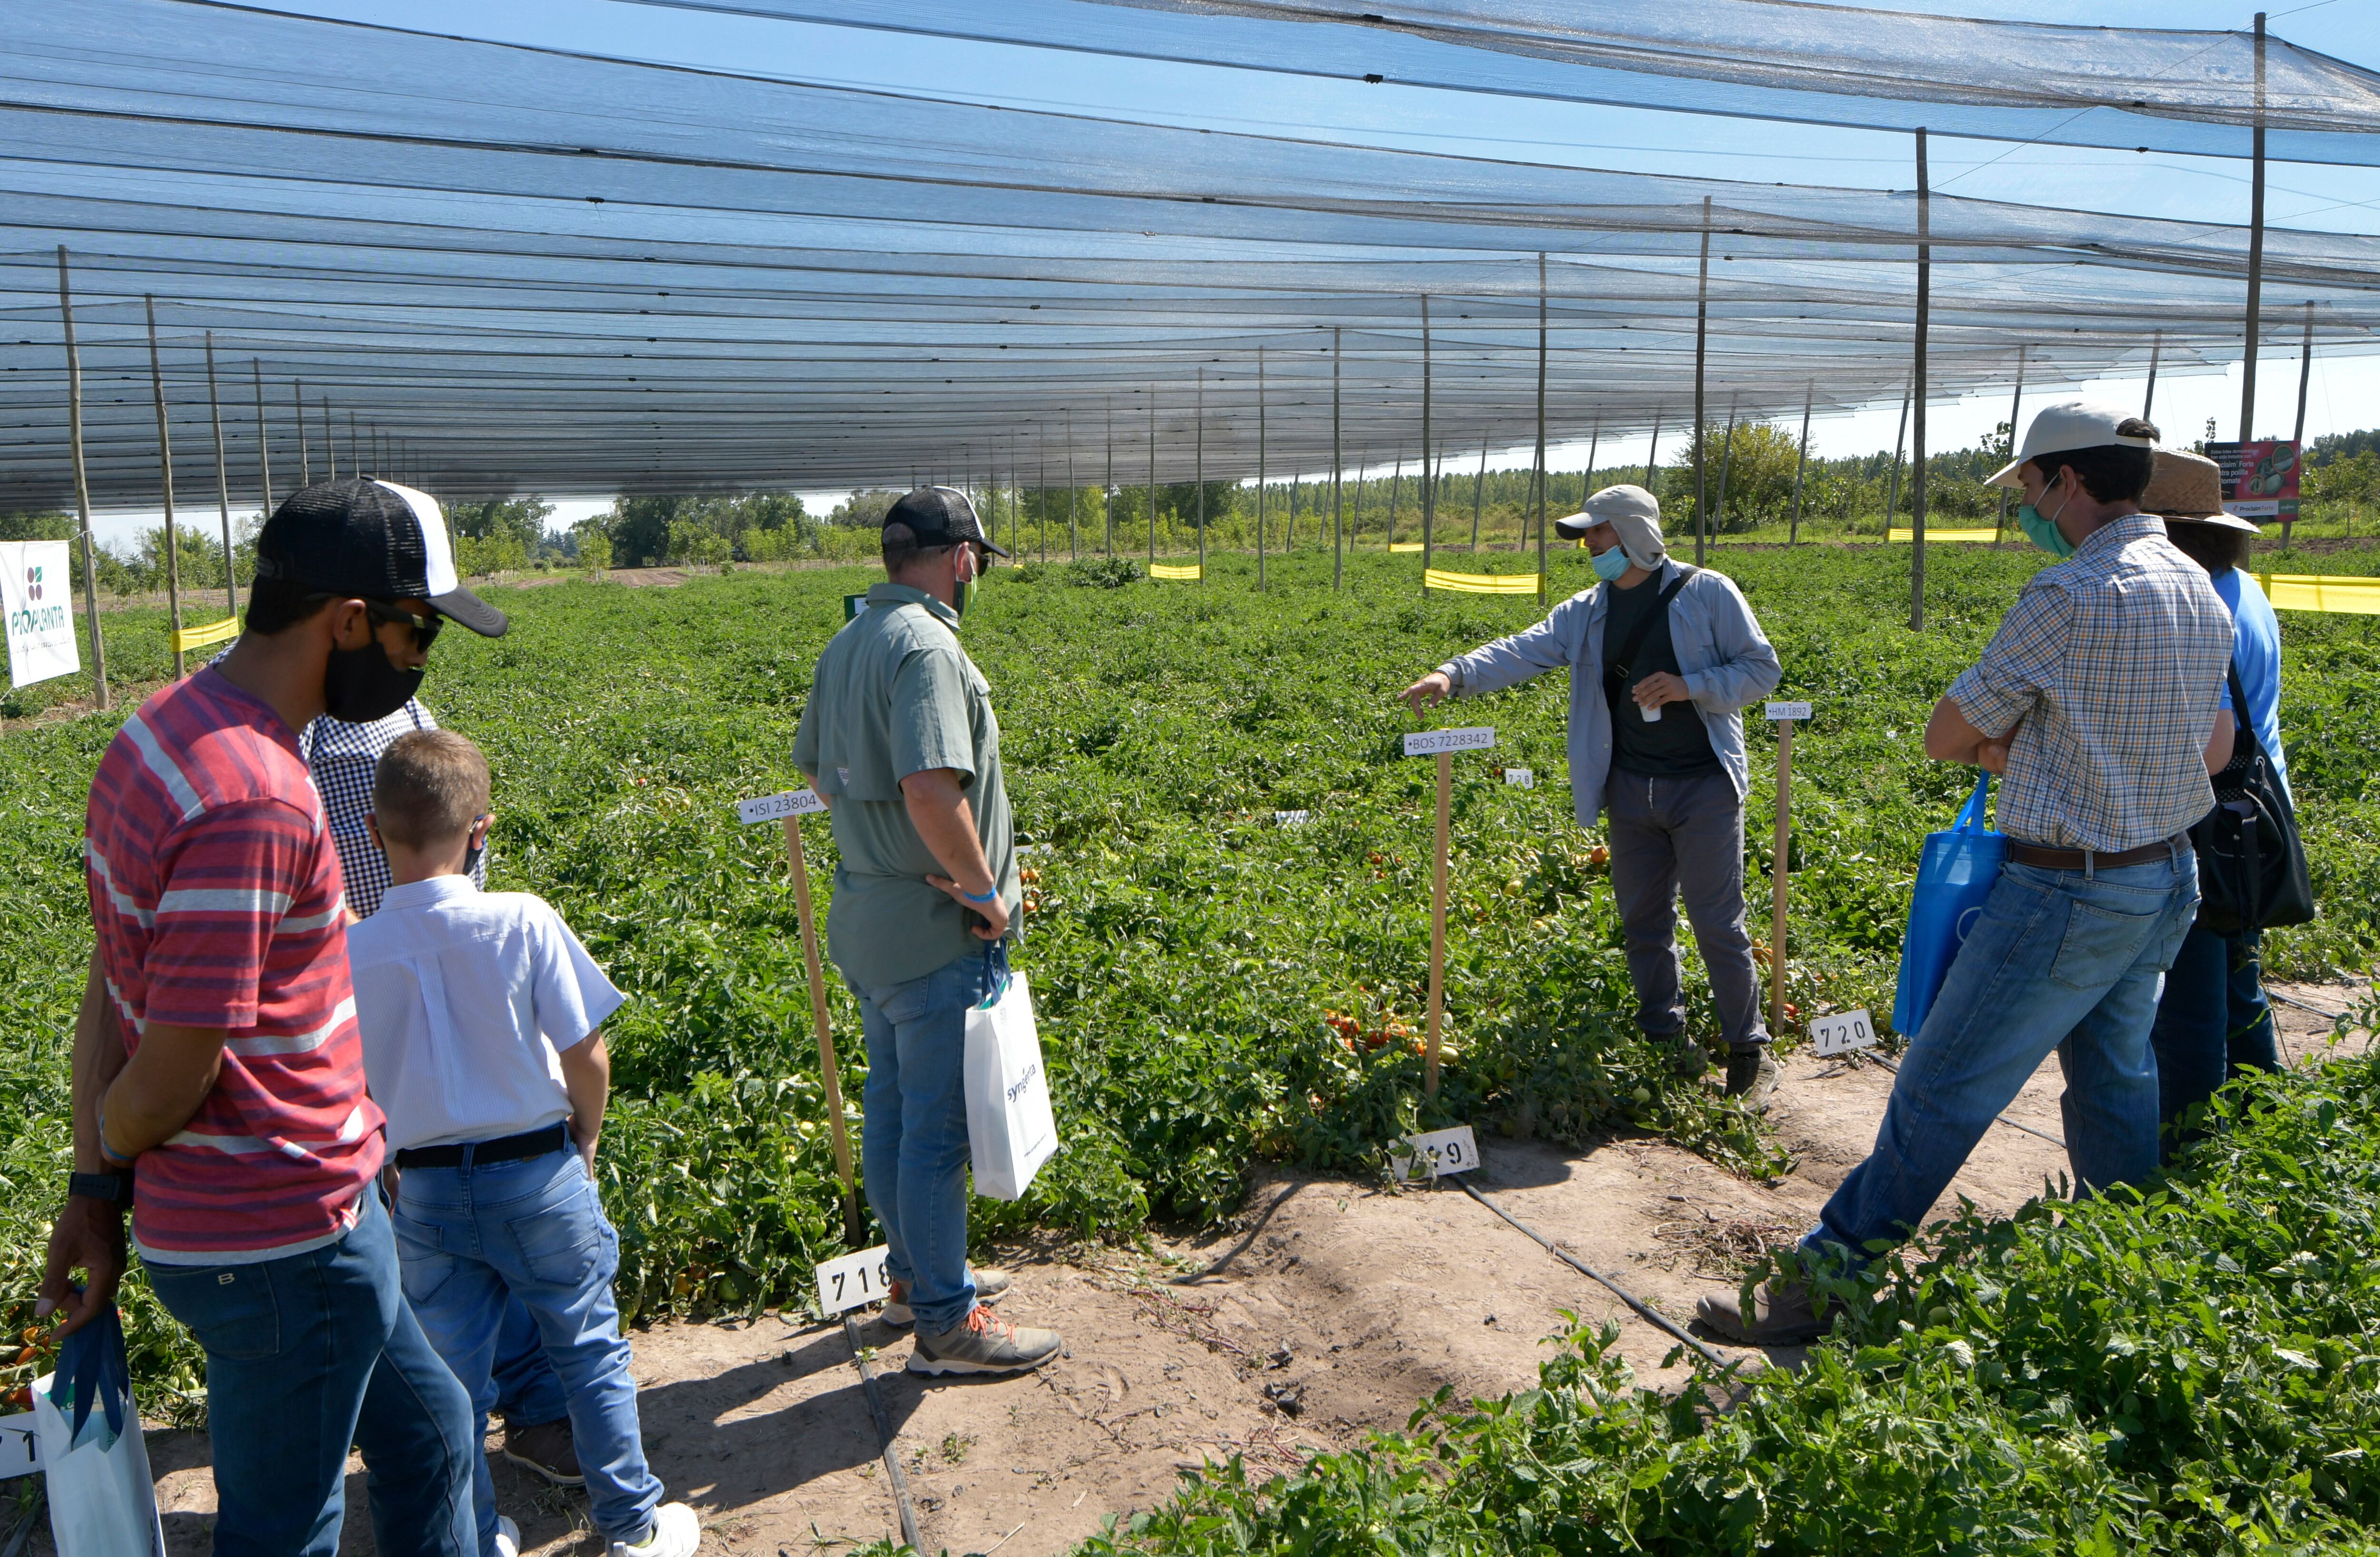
x=1662, y=660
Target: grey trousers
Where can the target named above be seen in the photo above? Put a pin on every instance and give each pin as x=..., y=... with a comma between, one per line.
x=1673, y=837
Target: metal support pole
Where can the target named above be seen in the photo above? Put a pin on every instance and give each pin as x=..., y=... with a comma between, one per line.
x=330, y=448
x=355, y=461
x=1900, y=446
x=1541, y=424
x=1429, y=486
x=2016, y=405
x=1396, y=490
x=1653, y=450
x=2305, y=379
x=82, y=491
x=1594, y=447
x=1800, y=462
x=1337, y=469
x=264, y=447
x=1726, y=464
x=2255, y=248
x=1702, y=339
x=165, y=478
x=1478, y=492
x=1198, y=470
x=1107, y=493
x=1917, y=397
x=1260, y=467
x=305, y=457
x=223, y=479
x=1074, y=498
x=1152, y=476
x=2148, y=400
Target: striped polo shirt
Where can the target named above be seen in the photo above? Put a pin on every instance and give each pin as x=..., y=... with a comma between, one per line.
x=215, y=891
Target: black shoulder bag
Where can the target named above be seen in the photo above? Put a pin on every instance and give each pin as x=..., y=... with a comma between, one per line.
x=1619, y=666
x=2252, y=869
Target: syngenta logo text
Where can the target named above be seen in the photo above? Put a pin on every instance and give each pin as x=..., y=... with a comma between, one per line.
x=1018, y=1089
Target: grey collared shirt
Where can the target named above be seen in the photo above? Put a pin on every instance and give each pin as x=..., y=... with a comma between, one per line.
x=895, y=694
x=1723, y=657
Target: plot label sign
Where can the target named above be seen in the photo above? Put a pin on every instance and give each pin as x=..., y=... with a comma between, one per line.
x=1292, y=818
x=1435, y=1153
x=1429, y=743
x=776, y=808
x=1521, y=778
x=1842, y=1032
x=21, y=1445
x=850, y=1280
x=1789, y=710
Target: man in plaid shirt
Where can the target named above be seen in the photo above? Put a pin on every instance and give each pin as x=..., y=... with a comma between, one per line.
x=2098, y=699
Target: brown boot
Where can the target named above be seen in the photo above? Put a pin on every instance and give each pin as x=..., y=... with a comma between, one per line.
x=545, y=1450
x=1783, y=1316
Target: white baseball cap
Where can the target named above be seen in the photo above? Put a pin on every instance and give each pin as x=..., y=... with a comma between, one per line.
x=2072, y=424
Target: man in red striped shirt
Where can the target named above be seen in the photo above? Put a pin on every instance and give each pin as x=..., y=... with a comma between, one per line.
x=217, y=1059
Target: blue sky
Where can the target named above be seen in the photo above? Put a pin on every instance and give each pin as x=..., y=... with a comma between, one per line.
x=2345, y=391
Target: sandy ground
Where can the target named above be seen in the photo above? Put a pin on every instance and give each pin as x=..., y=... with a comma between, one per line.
x=1326, y=1310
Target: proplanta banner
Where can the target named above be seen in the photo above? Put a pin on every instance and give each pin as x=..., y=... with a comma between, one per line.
x=40, y=610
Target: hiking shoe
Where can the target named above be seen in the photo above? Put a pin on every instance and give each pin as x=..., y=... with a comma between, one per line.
x=990, y=1287
x=507, y=1537
x=1783, y=1316
x=1685, y=1057
x=545, y=1450
x=1752, y=1075
x=985, y=1344
x=675, y=1532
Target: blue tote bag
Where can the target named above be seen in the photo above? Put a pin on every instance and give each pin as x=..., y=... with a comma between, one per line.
x=1954, y=876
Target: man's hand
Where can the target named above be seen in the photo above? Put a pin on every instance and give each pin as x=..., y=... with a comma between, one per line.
x=1992, y=755
x=994, y=914
x=89, y=1236
x=1432, y=688
x=1659, y=688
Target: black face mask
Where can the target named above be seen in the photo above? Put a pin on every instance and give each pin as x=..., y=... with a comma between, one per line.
x=363, y=684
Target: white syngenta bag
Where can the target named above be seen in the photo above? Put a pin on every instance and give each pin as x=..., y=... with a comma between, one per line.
x=102, y=1502
x=1011, y=1131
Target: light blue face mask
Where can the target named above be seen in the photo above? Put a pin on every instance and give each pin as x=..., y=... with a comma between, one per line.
x=2042, y=529
x=1609, y=565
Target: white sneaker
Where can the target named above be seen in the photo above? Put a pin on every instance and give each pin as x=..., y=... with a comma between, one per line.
x=507, y=1537
x=675, y=1532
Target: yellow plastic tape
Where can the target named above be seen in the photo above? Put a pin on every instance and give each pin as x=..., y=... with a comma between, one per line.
x=1164, y=570
x=2316, y=592
x=1480, y=584
x=1405, y=545
x=1933, y=533
x=190, y=638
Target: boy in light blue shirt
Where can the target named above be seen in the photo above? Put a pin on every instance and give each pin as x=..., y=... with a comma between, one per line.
x=481, y=1013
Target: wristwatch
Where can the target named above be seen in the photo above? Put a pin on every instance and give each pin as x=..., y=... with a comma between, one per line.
x=116, y=1189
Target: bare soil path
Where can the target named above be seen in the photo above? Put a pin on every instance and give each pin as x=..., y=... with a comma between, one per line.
x=1325, y=1311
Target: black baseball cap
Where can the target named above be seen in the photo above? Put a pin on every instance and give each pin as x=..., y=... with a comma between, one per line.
x=939, y=516
x=375, y=540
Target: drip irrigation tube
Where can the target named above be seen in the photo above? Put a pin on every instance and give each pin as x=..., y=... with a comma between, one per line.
x=1643, y=1311
x=883, y=1433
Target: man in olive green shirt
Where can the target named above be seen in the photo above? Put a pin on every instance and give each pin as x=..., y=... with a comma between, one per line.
x=900, y=740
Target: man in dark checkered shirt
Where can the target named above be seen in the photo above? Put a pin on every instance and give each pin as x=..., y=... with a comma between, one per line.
x=342, y=757
x=2098, y=699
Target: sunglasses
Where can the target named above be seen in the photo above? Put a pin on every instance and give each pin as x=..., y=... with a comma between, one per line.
x=425, y=628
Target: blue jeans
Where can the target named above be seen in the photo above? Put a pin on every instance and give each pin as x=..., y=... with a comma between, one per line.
x=2213, y=1024
x=2057, y=961
x=305, y=1356
x=913, y=1144
x=529, y=1392
x=471, y=1238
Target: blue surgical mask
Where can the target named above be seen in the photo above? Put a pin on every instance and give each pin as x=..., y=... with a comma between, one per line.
x=1609, y=565
x=2043, y=531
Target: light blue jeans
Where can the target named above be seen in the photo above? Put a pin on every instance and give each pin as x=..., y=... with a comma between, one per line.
x=471, y=1238
x=914, y=1145
x=2057, y=961
x=306, y=1355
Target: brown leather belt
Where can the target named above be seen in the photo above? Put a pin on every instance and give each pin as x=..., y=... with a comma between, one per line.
x=2041, y=854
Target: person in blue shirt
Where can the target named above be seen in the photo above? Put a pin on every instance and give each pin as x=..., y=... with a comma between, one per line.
x=2212, y=1021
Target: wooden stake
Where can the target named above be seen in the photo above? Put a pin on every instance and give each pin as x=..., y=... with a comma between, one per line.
x=851, y=1223
x=1429, y=486
x=1800, y=462
x=264, y=447
x=2255, y=250
x=82, y=491
x=1918, y=395
x=1702, y=341
x=1437, y=925
x=2016, y=405
x=1541, y=425
x=1338, y=471
x=1260, y=470
x=165, y=478
x=1777, y=876
x=1198, y=469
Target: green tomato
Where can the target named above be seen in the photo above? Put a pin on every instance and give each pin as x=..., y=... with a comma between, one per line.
x=1642, y=1095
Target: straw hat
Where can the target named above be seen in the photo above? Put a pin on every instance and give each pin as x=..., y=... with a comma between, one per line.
x=2190, y=487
